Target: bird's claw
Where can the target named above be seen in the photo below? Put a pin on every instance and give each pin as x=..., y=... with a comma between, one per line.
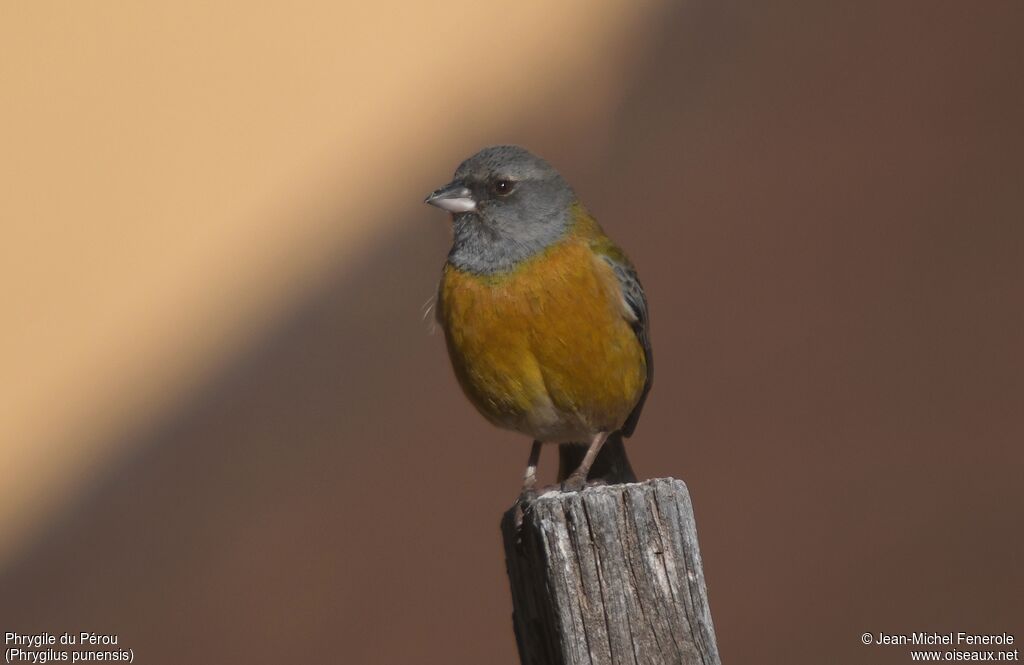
x=574, y=483
x=524, y=502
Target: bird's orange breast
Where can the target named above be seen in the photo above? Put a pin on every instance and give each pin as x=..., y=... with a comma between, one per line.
x=545, y=349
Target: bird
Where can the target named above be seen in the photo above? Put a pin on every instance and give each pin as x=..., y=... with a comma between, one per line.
x=544, y=317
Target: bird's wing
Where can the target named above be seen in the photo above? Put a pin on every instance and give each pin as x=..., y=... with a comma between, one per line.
x=636, y=304
x=438, y=304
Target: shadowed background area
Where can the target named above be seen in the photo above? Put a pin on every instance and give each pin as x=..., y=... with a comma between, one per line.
x=228, y=435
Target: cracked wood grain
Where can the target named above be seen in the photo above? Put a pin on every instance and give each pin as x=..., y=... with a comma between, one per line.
x=611, y=575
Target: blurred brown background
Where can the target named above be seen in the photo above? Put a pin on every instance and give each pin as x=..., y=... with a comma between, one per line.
x=228, y=436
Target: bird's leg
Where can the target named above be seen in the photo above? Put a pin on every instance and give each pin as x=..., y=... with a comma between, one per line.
x=578, y=478
x=529, y=492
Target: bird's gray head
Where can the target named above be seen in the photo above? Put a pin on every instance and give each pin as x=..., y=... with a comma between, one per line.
x=507, y=205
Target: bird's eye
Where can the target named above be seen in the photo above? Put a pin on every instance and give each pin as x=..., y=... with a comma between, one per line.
x=503, y=186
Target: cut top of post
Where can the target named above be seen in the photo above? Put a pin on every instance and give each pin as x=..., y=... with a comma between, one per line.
x=609, y=575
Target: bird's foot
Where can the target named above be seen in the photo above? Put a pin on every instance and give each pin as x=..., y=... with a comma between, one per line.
x=525, y=500
x=574, y=483
x=530, y=494
x=527, y=495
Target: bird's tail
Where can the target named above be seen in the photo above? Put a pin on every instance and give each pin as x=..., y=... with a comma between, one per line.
x=611, y=465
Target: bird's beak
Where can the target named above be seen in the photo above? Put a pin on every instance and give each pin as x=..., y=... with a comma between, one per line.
x=453, y=197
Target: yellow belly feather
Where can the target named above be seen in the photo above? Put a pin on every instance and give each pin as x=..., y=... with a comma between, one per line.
x=545, y=349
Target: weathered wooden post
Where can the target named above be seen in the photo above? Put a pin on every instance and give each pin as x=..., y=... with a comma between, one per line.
x=609, y=575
